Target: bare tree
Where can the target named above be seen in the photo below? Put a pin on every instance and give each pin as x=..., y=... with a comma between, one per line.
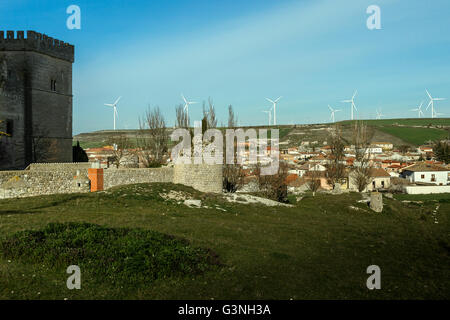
x=152, y=140
x=232, y=119
x=182, y=120
x=336, y=169
x=120, y=144
x=210, y=114
x=273, y=186
x=233, y=177
x=362, y=136
x=313, y=181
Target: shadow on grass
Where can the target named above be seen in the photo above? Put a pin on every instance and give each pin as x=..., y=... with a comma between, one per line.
x=37, y=209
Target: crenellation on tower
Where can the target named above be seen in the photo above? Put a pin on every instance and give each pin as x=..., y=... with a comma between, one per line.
x=38, y=42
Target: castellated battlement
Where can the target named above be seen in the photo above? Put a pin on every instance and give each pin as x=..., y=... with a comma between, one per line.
x=38, y=42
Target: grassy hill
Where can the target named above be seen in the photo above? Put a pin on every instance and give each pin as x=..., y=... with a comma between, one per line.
x=319, y=248
x=398, y=131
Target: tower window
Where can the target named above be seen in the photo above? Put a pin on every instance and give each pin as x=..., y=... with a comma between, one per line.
x=53, y=85
x=9, y=127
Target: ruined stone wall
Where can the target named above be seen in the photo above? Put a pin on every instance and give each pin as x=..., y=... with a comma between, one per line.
x=34, y=183
x=59, y=166
x=44, y=179
x=203, y=177
x=117, y=177
x=27, y=183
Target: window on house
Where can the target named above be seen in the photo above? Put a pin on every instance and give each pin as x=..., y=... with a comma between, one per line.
x=422, y=176
x=433, y=177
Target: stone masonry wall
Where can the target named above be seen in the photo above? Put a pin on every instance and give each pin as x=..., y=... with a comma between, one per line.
x=117, y=177
x=203, y=177
x=44, y=179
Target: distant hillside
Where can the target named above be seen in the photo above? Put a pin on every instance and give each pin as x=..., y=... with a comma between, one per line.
x=398, y=131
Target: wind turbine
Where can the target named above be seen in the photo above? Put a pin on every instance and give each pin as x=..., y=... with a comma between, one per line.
x=419, y=108
x=269, y=112
x=115, y=113
x=379, y=115
x=186, y=108
x=353, y=106
x=433, y=112
x=332, y=112
x=274, y=109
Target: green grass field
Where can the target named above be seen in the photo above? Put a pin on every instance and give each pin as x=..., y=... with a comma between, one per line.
x=415, y=136
x=318, y=249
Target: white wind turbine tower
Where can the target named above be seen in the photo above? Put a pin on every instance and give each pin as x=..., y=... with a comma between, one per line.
x=274, y=109
x=419, y=109
x=269, y=112
x=186, y=108
x=433, y=111
x=115, y=113
x=333, y=111
x=379, y=115
x=353, y=106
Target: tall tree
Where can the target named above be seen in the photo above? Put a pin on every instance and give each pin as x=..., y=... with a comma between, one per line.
x=361, y=137
x=181, y=115
x=336, y=169
x=441, y=150
x=232, y=119
x=121, y=143
x=152, y=138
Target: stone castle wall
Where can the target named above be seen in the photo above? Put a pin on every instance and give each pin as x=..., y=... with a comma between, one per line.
x=55, y=178
x=203, y=177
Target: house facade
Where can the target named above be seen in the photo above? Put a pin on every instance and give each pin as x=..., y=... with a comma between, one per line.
x=427, y=173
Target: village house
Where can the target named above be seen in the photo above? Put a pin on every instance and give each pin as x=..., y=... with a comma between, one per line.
x=384, y=145
x=427, y=173
x=379, y=179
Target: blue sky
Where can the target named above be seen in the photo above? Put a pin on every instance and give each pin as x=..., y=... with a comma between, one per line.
x=311, y=52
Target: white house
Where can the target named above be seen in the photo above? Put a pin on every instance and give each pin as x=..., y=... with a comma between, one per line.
x=427, y=173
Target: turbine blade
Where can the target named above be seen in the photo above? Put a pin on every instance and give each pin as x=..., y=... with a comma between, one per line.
x=428, y=94
x=109, y=105
x=118, y=99
x=269, y=100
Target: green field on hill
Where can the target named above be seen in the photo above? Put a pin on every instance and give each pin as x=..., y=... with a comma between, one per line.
x=319, y=248
x=415, y=131
x=415, y=136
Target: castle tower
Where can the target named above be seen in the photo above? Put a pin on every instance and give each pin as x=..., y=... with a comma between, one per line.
x=35, y=99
